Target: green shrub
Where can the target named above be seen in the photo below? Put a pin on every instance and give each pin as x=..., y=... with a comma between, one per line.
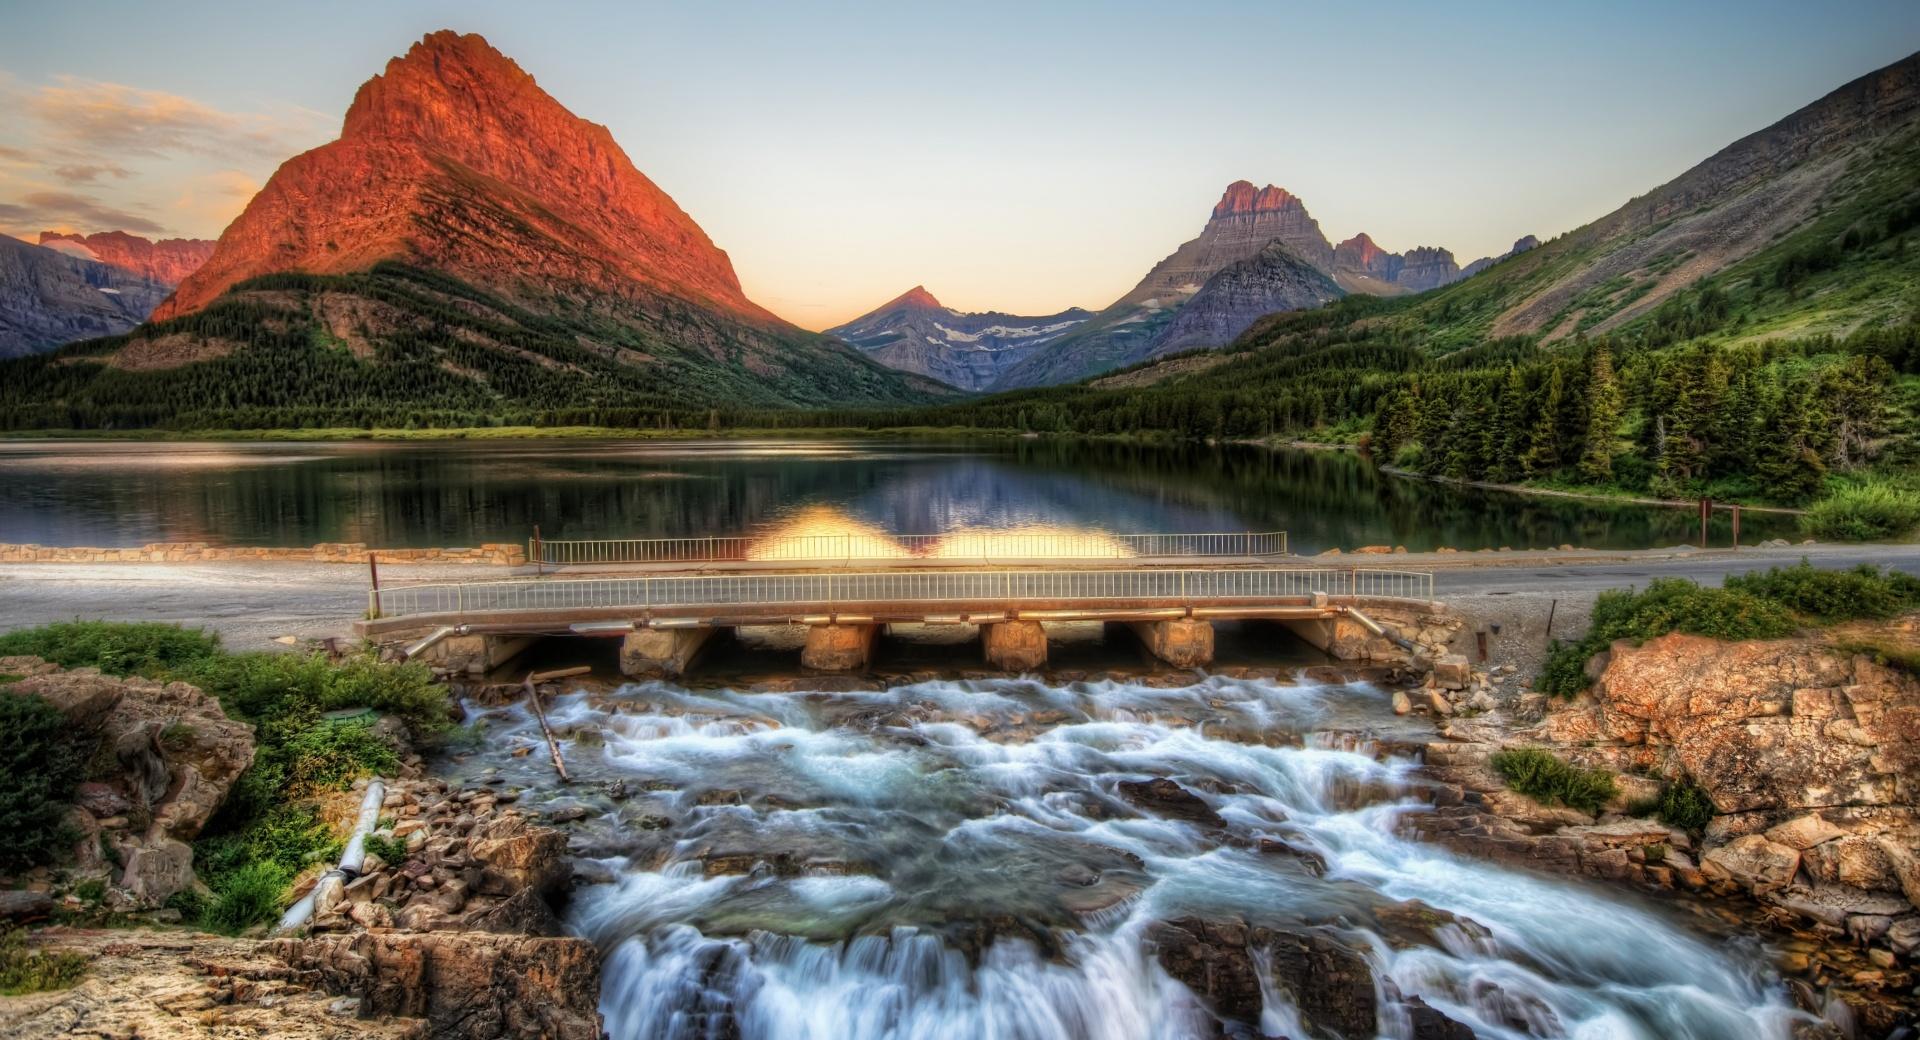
x=1871, y=512
x=1834, y=595
x=34, y=971
x=253, y=894
x=1683, y=803
x=40, y=762
x=1546, y=779
x=1668, y=605
x=113, y=647
x=263, y=686
x=389, y=848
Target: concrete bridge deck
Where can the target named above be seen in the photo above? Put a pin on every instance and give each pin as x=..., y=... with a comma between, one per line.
x=665, y=620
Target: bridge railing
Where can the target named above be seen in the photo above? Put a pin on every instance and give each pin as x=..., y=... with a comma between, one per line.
x=1012, y=588
x=955, y=546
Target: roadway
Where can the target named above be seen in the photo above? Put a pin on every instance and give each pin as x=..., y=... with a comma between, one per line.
x=252, y=605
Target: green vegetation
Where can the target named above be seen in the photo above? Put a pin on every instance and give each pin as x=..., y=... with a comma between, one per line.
x=1756, y=605
x=1544, y=778
x=40, y=762
x=389, y=848
x=1867, y=512
x=1683, y=803
x=1901, y=655
x=114, y=648
x=444, y=353
x=268, y=830
x=1831, y=596
x=25, y=971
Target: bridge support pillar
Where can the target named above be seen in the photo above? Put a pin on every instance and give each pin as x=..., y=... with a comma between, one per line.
x=1181, y=642
x=1015, y=646
x=838, y=648
x=657, y=653
x=475, y=654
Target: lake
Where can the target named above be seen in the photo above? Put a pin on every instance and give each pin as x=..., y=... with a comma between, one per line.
x=451, y=493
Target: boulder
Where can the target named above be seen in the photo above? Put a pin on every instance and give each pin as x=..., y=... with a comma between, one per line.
x=1163, y=797
x=1804, y=832
x=1754, y=861
x=1328, y=984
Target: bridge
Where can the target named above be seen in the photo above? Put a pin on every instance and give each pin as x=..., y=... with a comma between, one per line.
x=665, y=602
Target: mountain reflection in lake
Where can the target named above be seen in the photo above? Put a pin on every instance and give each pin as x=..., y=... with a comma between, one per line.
x=404, y=494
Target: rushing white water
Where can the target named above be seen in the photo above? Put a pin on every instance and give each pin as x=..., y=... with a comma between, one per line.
x=954, y=860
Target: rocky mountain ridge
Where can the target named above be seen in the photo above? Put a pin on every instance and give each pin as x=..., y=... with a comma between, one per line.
x=49, y=298
x=168, y=261
x=914, y=332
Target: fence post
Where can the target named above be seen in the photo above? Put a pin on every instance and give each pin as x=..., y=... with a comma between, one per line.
x=539, y=552
x=373, y=594
x=1736, y=525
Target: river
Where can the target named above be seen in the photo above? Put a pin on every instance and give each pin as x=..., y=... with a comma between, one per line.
x=448, y=493
x=973, y=859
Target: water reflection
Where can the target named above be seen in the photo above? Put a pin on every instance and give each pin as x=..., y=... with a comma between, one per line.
x=464, y=493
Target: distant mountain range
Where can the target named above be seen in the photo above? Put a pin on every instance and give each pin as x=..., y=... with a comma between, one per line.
x=73, y=287
x=466, y=249
x=1267, y=251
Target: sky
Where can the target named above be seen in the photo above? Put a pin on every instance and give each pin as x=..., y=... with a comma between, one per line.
x=1016, y=156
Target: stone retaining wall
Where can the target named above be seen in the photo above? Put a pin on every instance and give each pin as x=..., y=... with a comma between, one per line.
x=500, y=554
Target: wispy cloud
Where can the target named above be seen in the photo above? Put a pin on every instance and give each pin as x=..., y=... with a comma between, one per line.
x=87, y=173
x=57, y=210
x=96, y=117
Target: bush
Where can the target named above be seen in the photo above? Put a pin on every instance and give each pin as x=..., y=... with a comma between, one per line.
x=301, y=756
x=264, y=686
x=34, y=971
x=1868, y=513
x=1668, y=605
x=40, y=763
x=1544, y=778
x=116, y=648
x=1683, y=803
x=389, y=848
x=1828, y=596
x=251, y=895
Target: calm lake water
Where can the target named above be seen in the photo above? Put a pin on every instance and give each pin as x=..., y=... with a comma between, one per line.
x=450, y=493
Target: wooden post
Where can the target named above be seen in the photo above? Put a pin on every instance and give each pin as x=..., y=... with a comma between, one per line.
x=373, y=570
x=1480, y=641
x=539, y=551
x=1706, y=510
x=1551, y=607
x=553, y=746
x=1736, y=525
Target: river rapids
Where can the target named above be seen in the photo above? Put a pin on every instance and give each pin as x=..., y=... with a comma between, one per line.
x=986, y=859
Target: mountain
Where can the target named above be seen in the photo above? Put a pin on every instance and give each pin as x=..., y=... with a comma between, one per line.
x=1520, y=245
x=468, y=238
x=168, y=261
x=913, y=332
x=1273, y=279
x=1747, y=331
x=48, y=298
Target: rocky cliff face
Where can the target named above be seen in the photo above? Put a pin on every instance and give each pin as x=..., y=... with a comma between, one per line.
x=167, y=262
x=1243, y=222
x=1272, y=280
x=48, y=298
x=915, y=333
x=1426, y=267
x=1521, y=245
x=455, y=159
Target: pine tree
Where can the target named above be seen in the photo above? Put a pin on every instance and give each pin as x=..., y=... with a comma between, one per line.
x=1509, y=431
x=1543, y=440
x=1603, y=417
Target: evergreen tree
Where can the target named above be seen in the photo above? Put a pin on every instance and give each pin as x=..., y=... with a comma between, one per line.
x=1542, y=454
x=1603, y=417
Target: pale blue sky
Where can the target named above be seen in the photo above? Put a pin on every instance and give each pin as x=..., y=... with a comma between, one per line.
x=1020, y=156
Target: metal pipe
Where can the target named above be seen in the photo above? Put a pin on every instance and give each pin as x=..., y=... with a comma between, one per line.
x=351, y=861
x=415, y=649
x=1377, y=629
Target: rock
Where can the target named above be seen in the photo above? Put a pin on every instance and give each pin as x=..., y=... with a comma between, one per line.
x=1853, y=860
x=102, y=800
x=467, y=986
x=1904, y=936
x=1163, y=797
x=22, y=905
x=1754, y=861
x=1401, y=704
x=1804, y=832
x=1904, y=863
x=1429, y=1024
x=155, y=871
x=1452, y=671
x=1438, y=703
x=1329, y=984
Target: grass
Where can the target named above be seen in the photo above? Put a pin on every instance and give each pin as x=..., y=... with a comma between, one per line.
x=389, y=848
x=23, y=970
x=1540, y=775
x=1899, y=655
x=269, y=830
x=1868, y=512
x=1829, y=596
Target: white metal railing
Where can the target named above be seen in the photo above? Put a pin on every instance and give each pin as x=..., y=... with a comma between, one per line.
x=1009, y=587
x=907, y=548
